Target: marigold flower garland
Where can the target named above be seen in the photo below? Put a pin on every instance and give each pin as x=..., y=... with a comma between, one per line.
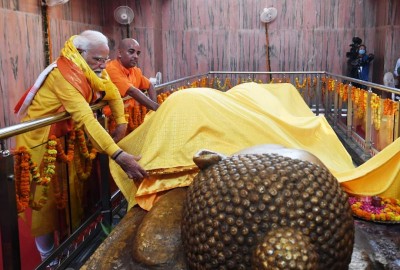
x=227, y=85
x=22, y=178
x=376, y=111
x=376, y=208
x=343, y=91
x=61, y=155
x=163, y=96
x=331, y=84
x=280, y=80
x=390, y=107
x=49, y=170
x=143, y=111
x=204, y=82
x=24, y=167
x=84, y=167
x=359, y=98
x=302, y=85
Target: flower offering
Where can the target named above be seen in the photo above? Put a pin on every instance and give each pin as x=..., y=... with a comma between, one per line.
x=375, y=208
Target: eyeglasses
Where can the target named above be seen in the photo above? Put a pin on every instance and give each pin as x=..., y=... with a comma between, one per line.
x=100, y=60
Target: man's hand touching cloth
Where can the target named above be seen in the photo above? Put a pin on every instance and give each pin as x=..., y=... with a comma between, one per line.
x=129, y=164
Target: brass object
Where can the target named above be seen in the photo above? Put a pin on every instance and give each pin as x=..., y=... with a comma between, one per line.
x=266, y=211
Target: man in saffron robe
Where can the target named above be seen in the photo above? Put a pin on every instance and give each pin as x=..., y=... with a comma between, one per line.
x=125, y=74
x=72, y=83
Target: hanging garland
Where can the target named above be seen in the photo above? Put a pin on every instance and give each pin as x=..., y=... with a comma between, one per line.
x=22, y=179
x=376, y=110
x=66, y=158
x=49, y=159
x=331, y=84
x=362, y=103
x=143, y=111
x=302, y=85
x=84, y=158
x=204, y=82
x=25, y=169
x=390, y=107
x=227, y=84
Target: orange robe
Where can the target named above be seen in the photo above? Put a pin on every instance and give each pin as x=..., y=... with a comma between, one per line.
x=124, y=78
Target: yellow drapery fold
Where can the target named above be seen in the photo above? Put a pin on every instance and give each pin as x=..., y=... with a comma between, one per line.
x=202, y=118
x=379, y=175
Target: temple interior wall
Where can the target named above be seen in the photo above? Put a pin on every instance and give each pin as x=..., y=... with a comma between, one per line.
x=182, y=38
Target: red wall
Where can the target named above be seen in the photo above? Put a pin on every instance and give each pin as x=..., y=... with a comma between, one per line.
x=181, y=38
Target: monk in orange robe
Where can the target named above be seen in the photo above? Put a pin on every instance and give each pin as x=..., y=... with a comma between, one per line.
x=129, y=79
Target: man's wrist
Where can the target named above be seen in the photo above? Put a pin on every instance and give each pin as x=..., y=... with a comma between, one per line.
x=117, y=154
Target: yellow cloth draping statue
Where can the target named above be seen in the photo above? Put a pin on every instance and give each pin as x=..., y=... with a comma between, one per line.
x=249, y=114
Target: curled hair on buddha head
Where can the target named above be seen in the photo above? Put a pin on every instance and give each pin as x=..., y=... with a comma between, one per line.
x=89, y=39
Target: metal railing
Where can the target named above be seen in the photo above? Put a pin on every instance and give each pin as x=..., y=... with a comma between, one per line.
x=320, y=90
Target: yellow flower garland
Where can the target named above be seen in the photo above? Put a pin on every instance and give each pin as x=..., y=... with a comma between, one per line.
x=24, y=167
x=376, y=111
x=84, y=166
x=302, y=85
x=390, y=107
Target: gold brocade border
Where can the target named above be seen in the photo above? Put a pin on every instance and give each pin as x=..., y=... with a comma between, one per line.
x=175, y=170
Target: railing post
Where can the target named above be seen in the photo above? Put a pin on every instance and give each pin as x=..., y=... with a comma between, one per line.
x=336, y=113
x=105, y=189
x=328, y=105
x=8, y=217
x=368, y=123
x=317, y=96
x=349, y=112
x=106, y=208
x=396, y=122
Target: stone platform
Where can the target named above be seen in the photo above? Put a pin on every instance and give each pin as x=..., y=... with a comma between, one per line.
x=377, y=246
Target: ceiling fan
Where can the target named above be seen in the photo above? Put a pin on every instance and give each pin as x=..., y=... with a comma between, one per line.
x=123, y=15
x=267, y=16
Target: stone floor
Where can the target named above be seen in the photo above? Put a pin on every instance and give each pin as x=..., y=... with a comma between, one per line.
x=377, y=246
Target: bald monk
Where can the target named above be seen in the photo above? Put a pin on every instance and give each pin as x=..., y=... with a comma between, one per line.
x=128, y=78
